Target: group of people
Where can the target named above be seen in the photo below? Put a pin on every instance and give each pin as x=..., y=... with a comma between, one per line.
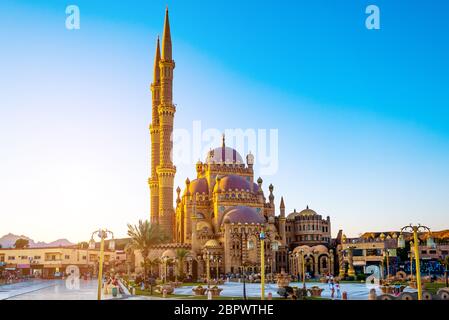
x=334, y=286
x=9, y=277
x=110, y=282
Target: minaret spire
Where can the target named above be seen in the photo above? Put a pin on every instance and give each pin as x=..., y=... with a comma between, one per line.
x=166, y=170
x=166, y=39
x=153, y=181
x=157, y=58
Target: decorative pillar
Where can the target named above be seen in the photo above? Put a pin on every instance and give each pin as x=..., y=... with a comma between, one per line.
x=351, y=271
x=341, y=263
x=331, y=260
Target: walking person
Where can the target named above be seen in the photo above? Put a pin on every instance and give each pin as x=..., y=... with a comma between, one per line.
x=332, y=289
x=338, y=289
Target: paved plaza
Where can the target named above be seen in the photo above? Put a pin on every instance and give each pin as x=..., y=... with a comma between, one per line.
x=356, y=291
x=55, y=290
x=59, y=290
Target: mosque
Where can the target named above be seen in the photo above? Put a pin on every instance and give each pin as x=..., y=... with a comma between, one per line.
x=219, y=214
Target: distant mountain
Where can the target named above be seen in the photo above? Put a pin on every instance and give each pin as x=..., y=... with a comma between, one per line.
x=8, y=241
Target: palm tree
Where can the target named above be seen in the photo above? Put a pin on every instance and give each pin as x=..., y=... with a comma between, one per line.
x=143, y=237
x=83, y=245
x=181, y=254
x=22, y=243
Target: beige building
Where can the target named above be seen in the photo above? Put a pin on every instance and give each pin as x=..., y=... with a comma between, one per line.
x=357, y=254
x=45, y=262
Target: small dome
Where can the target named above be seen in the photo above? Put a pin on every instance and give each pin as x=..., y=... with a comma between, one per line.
x=320, y=248
x=198, y=186
x=307, y=212
x=242, y=214
x=305, y=248
x=224, y=155
x=233, y=182
x=169, y=254
x=212, y=244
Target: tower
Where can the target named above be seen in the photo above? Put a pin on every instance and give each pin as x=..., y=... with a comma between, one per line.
x=282, y=222
x=155, y=137
x=166, y=111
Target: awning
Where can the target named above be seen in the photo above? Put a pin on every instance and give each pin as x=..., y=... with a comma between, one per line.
x=23, y=266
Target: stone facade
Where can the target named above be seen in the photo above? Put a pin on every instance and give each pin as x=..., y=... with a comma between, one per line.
x=219, y=215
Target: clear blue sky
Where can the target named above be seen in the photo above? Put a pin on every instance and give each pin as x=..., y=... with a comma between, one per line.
x=363, y=115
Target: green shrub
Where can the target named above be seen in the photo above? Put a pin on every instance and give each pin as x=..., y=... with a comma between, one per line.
x=361, y=277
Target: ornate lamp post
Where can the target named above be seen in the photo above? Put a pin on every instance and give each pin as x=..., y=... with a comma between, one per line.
x=430, y=243
x=102, y=234
x=274, y=249
x=411, y=260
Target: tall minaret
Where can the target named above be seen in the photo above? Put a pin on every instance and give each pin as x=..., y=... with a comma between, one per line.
x=155, y=137
x=166, y=170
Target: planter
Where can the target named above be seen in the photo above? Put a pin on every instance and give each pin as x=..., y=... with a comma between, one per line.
x=283, y=279
x=315, y=291
x=215, y=291
x=199, y=291
x=168, y=288
x=300, y=293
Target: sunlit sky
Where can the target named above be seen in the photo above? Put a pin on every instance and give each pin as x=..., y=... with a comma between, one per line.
x=362, y=115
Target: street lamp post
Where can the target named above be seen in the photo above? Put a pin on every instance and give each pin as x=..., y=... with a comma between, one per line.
x=411, y=260
x=401, y=244
x=262, y=264
x=102, y=234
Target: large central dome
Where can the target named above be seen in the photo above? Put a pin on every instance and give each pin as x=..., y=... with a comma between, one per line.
x=224, y=155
